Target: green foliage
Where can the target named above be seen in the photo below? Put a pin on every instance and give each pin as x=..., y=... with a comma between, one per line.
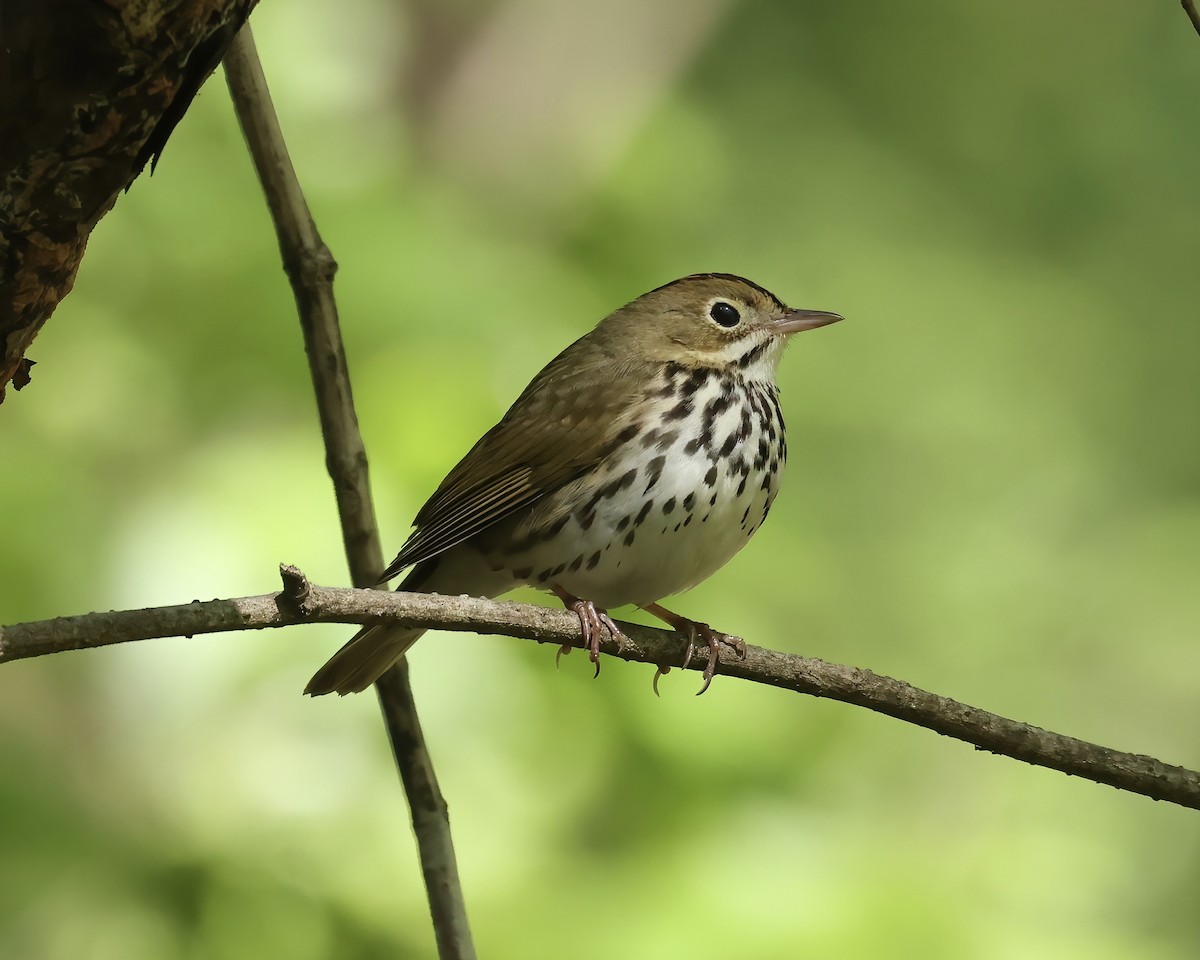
x=994, y=491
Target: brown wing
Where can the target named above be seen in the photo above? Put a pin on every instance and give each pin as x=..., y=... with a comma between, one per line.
x=562, y=425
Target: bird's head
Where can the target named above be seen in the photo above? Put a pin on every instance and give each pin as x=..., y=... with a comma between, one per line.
x=712, y=320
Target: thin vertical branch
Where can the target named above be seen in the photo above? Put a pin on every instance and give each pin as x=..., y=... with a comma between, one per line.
x=310, y=268
x=1189, y=7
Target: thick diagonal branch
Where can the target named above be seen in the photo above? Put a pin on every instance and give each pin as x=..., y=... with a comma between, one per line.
x=303, y=603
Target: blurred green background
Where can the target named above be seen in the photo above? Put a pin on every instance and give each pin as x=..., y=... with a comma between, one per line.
x=994, y=490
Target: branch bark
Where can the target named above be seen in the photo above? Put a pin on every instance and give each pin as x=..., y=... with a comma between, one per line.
x=1189, y=7
x=89, y=92
x=301, y=602
x=310, y=268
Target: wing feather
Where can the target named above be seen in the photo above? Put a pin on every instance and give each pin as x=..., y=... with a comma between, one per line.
x=562, y=426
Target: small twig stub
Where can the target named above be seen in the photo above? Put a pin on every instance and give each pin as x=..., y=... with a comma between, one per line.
x=296, y=589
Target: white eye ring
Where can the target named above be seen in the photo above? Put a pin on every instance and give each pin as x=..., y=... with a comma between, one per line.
x=724, y=314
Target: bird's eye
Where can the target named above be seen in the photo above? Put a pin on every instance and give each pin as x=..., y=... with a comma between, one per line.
x=725, y=314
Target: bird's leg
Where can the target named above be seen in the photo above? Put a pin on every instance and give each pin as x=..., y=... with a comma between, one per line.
x=693, y=630
x=591, y=620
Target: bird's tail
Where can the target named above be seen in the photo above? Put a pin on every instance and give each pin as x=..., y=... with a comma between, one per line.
x=363, y=659
x=368, y=654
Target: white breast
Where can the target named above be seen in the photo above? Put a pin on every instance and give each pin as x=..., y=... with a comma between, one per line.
x=671, y=506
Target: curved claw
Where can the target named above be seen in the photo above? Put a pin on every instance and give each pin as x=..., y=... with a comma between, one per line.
x=613, y=631
x=692, y=630
x=714, y=639
x=688, y=629
x=592, y=620
x=662, y=671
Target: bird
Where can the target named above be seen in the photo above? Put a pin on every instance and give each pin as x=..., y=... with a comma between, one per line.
x=631, y=468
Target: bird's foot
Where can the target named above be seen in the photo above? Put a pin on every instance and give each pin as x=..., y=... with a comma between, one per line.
x=692, y=631
x=592, y=622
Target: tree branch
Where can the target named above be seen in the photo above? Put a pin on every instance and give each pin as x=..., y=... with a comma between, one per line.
x=301, y=602
x=310, y=268
x=1189, y=7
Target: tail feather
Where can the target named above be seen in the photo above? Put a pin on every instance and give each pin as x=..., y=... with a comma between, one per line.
x=367, y=655
x=363, y=659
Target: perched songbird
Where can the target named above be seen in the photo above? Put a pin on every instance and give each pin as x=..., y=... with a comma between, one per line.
x=635, y=465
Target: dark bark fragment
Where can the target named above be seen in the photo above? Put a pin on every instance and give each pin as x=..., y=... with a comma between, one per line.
x=89, y=92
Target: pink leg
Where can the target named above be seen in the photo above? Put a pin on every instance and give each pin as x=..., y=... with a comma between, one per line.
x=693, y=630
x=591, y=621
